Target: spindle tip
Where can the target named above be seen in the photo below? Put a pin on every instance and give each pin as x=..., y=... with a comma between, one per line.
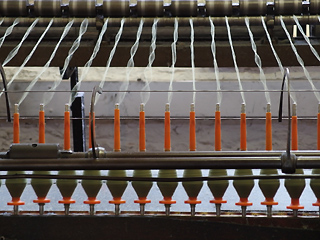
x=218, y=107
x=294, y=109
x=268, y=107
x=243, y=108
x=41, y=107
x=116, y=106
x=192, y=107
x=16, y=108
x=167, y=107
x=66, y=107
x=142, y=105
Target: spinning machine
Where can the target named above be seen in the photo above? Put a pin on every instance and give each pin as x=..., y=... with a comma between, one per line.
x=221, y=85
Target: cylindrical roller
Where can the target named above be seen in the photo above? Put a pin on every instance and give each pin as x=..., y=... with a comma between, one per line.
x=288, y=7
x=253, y=7
x=82, y=8
x=116, y=8
x=150, y=8
x=219, y=8
x=13, y=8
x=184, y=8
x=47, y=8
x=314, y=7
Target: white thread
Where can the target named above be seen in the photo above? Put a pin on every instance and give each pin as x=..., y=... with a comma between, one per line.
x=316, y=93
x=292, y=94
x=8, y=31
x=33, y=82
x=257, y=60
x=124, y=86
x=174, y=58
x=145, y=94
x=215, y=63
x=235, y=61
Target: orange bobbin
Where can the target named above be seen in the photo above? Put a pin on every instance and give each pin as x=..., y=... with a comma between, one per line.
x=41, y=125
x=295, y=204
x=294, y=141
x=244, y=202
x=67, y=200
x=217, y=131
x=94, y=132
x=142, y=129
x=92, y=200
x=66, y=145
x=15, y=202
x=193, y=200
x=16, y=125
x=167, y=200
x=167, y=137
x=268, y=131
x=41, y=200
x=117, y=142
x=218, y=200
x=269, y=201
x=243, y=130
x=192, y=131
x=142, y=200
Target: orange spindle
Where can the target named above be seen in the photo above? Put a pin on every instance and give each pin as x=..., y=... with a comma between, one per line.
x=167, y=137
x=243, y=129
x=217, y=131
x=16, y=125
x=66, y=145
x=142, y=129
x=294, y=125
x=117, y=146
x=192, y=139
x=94, y=123
x=41, y=125
x=268, y=129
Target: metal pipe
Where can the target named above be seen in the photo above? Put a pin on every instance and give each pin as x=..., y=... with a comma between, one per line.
x=163, y=22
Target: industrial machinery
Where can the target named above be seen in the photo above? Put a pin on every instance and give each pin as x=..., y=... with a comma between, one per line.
x=83, y=79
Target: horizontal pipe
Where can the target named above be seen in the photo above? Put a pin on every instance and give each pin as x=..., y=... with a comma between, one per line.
x=306, y=162
x=156, y=179
x=163, y=21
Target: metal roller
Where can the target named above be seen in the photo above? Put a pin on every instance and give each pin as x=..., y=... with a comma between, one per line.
x=13, y=8
x=116, y=8
x=82, y=8
x=219, y=7
x=253, y=7
x=150, y=8
x=288, y=7
x=184, y=8
x=47, y=8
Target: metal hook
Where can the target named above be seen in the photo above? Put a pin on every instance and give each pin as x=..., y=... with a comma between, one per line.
x=288, y=160
x=95, y=90
x=4, y=80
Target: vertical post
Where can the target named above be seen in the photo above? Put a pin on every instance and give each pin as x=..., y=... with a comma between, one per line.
x=78, y=116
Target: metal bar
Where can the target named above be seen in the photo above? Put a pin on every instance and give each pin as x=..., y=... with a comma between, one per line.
x=163, y=22
x=156, y=179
